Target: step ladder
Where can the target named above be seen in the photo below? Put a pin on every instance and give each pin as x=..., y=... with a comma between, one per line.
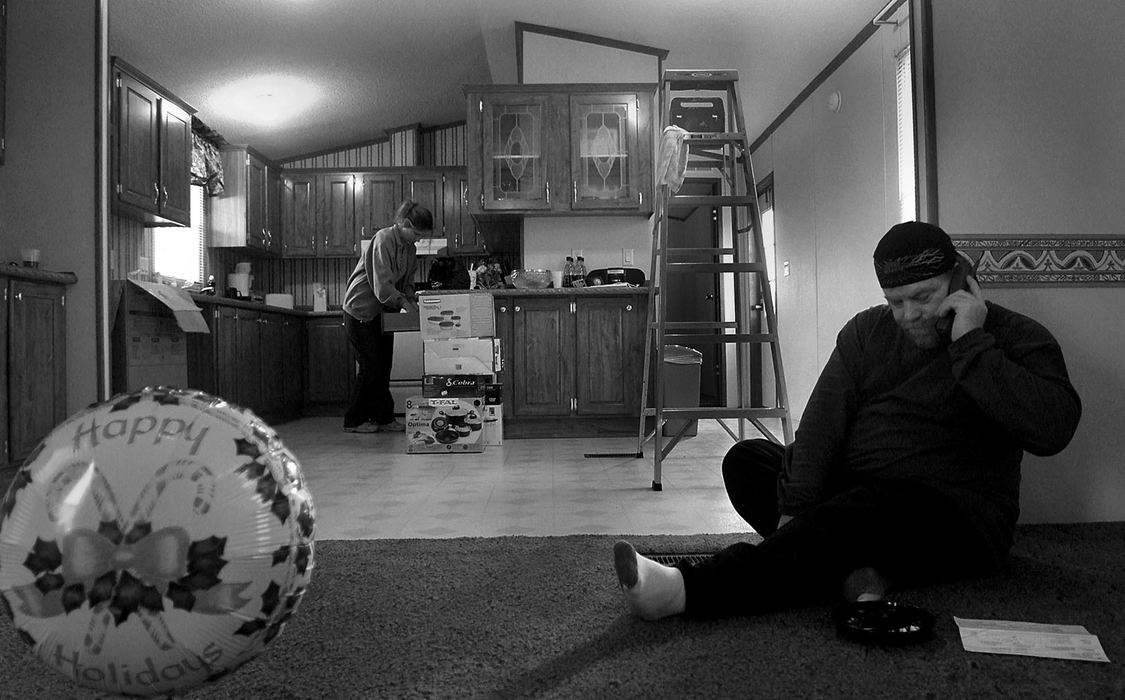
x=704, y=103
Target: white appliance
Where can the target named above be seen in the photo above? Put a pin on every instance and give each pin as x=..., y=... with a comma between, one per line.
x=406, y=369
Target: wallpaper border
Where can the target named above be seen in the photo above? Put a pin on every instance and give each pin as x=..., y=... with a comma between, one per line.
x=1077, y=261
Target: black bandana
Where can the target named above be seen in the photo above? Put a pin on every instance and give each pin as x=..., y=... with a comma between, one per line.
x=911, y=252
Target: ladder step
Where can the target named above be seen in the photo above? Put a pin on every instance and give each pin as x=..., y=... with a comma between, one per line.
x=737, y=200
x=720, y=412
x=715, y=267
x=689, y=79
x=699, y=251
x=714, y=138
x=718, y=338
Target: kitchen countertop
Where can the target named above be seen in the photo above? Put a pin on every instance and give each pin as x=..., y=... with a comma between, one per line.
x=35, y=274
x=604, y=290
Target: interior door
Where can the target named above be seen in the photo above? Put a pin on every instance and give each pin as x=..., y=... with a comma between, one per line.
x=696, y=297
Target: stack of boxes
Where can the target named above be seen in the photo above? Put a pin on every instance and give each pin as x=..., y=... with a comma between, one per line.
x=460, y=408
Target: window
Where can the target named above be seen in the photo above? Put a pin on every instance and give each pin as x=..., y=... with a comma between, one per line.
x=765, y=205
x=904, y=96
x=181, y=253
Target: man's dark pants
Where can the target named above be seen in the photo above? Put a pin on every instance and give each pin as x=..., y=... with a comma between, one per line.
x=908, y=532
x=371, y=398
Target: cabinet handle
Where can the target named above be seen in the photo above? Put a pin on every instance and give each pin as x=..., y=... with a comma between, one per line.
x=517, y=309
x=503, y=309
x=19, y=296
x=165, y=192
x=155, y=194
x=548, y=186
x=628, y=307
x=574, y=191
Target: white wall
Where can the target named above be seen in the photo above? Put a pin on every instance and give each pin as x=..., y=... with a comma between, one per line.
x=47, y=182
x=832, y=186
x=1031, y=142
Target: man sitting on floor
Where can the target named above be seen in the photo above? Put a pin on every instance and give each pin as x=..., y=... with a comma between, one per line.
x=906, y=466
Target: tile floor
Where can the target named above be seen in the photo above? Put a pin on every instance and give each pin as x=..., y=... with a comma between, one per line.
x=365, y=486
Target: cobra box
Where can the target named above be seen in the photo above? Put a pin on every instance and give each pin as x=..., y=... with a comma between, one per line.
x=444, y=425
x=455, y=385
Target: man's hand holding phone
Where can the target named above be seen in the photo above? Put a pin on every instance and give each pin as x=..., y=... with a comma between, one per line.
x=966, y=307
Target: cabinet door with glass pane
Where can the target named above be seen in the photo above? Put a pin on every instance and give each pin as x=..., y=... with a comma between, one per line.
x=605, y=164
x=514, y=143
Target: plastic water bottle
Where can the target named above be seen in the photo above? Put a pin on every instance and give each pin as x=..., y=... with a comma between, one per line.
x=568, y=272
x=579, y=273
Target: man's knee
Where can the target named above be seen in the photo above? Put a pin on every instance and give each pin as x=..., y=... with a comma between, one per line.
x=754, y=456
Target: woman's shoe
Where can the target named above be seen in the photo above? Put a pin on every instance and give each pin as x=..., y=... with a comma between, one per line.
x=362, y=428
x=393, y=427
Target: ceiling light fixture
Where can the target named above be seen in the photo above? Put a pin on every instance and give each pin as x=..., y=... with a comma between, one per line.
x=268, y=100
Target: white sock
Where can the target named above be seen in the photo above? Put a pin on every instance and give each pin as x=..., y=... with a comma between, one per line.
x=652, y=590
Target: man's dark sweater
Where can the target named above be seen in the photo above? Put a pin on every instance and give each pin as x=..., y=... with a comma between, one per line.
x=957, y=417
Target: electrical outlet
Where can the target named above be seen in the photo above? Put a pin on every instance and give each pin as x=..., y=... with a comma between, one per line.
x=626, y=256
x=785, y=268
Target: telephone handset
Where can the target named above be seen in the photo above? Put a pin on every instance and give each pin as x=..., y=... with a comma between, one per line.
x=962, y=271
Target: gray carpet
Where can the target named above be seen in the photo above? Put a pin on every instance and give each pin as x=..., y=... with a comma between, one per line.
x=542, y=617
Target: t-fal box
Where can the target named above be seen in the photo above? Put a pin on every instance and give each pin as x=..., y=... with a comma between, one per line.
x=465, y=315
x=455, y=385
x=461, y=356
x=493, y=424
x=444, y=425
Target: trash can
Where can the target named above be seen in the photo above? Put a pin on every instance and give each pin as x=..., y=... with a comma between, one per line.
x=681, y=385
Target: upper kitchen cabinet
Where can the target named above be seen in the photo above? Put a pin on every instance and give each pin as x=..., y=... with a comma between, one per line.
x=560, y=149
x=151, y=133
x=376, y=202
x=242, y=215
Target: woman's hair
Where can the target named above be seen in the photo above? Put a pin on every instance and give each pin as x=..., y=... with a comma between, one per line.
x=419, y=217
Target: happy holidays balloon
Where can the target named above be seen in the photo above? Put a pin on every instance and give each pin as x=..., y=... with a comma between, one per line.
x=155, y=541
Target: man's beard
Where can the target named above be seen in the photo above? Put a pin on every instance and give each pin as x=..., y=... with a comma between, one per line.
x=923, y=334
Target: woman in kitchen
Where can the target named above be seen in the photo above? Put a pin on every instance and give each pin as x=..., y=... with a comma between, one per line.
x=382, y=282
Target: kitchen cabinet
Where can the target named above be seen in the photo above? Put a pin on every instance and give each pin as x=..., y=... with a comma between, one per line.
x=241, y=216
x=252, y=358
x=577, y=149
x=571, y=355
x=32, y=365
x=298, y=215
x=328, y=214
x=331, y=365
x=378, y=199
x=151, y=150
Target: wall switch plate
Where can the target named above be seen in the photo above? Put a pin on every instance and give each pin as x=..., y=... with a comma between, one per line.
x=626, y=256
x=785, y=268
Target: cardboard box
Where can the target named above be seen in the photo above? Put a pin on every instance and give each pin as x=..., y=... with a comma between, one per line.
x=443, y=425
x=493, y=393
x=461, y=356
x=403, y=321
x=464, y=315
x=493, y=424
x=149, y=341
x=455, y=385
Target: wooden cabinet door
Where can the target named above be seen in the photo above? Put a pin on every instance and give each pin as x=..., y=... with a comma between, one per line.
x=292, y=366
x=274, y=238
x=604, y=158
x=427, y=187
x=256, y=203
x=379, y=197
x=462, y=233
x=272, y=349
x=138, y=113
x=298, y=215
x=225, y=330
x=175, y=163
x=543, y=349
x=331, y=363
x=5, y=451
x=36, y=364
x=505, y=313
x=336, y=214
x=248, y=361
x=609, y=355
x=515, y=155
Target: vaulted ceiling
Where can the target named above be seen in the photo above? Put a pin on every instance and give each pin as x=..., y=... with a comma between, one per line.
x=373, y=65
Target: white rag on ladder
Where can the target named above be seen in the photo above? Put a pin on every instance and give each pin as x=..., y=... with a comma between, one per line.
x=673, y=157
